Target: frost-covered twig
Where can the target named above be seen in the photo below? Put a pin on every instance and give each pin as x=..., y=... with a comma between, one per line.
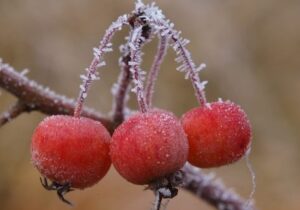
x=212, y=191
x=39, y=98
x=154, y=70
x=14, y=111
x=105, y=46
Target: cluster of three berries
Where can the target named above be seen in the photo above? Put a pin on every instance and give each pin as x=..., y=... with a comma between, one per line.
x=144, y=148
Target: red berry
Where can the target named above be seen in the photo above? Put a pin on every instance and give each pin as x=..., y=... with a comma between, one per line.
x=218, y=134
x=149, y=146
x=71, y=150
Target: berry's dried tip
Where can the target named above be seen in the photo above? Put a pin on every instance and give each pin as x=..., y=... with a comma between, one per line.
x=61, y=190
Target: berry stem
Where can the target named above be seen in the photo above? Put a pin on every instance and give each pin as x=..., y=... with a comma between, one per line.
x=134, y=44
x=153, y=73
x=157, y=202
x=184, y=57
x=104, y=46
x=192, y=71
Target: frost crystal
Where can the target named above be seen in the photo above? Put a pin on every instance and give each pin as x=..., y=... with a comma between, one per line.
x=103, y=63
x=24, y=72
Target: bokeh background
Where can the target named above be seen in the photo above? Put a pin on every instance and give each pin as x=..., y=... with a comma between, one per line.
x=252, y=51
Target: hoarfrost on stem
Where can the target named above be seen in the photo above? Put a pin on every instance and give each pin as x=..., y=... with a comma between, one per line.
x=104, y=46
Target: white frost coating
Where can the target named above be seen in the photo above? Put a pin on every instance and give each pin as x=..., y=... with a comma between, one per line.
x=94, y=77
x=107, y=49
x=24, y=72
x=201, y=85
x=114, y=89
x=96, y=51
x=179, y=59
x=82, y=88
x=132, y=63
x=84, y=95
x=184, y=42
x=103, y=63
x=201, y=67
x=6, y=115
x=132, y=46
x=83, y=77
x=139, y=4
x=165, y=191
x=208, y=105
x=165, y=32
x=182, y=68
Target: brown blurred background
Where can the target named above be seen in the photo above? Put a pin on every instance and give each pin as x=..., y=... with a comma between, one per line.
x=252, y=51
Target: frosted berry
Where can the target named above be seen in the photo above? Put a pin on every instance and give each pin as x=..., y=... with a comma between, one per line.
x=218, y=134
x=69, y=150
x=149, y=146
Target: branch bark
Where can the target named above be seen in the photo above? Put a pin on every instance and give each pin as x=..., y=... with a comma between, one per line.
x=38, y=98
x=212, y=191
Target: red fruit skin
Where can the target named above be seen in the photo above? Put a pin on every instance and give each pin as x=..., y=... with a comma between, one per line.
x=218, y=134
x=149, y=146
x=71, y=150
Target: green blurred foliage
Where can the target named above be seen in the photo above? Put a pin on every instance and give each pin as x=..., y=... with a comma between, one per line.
x=252, y=51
